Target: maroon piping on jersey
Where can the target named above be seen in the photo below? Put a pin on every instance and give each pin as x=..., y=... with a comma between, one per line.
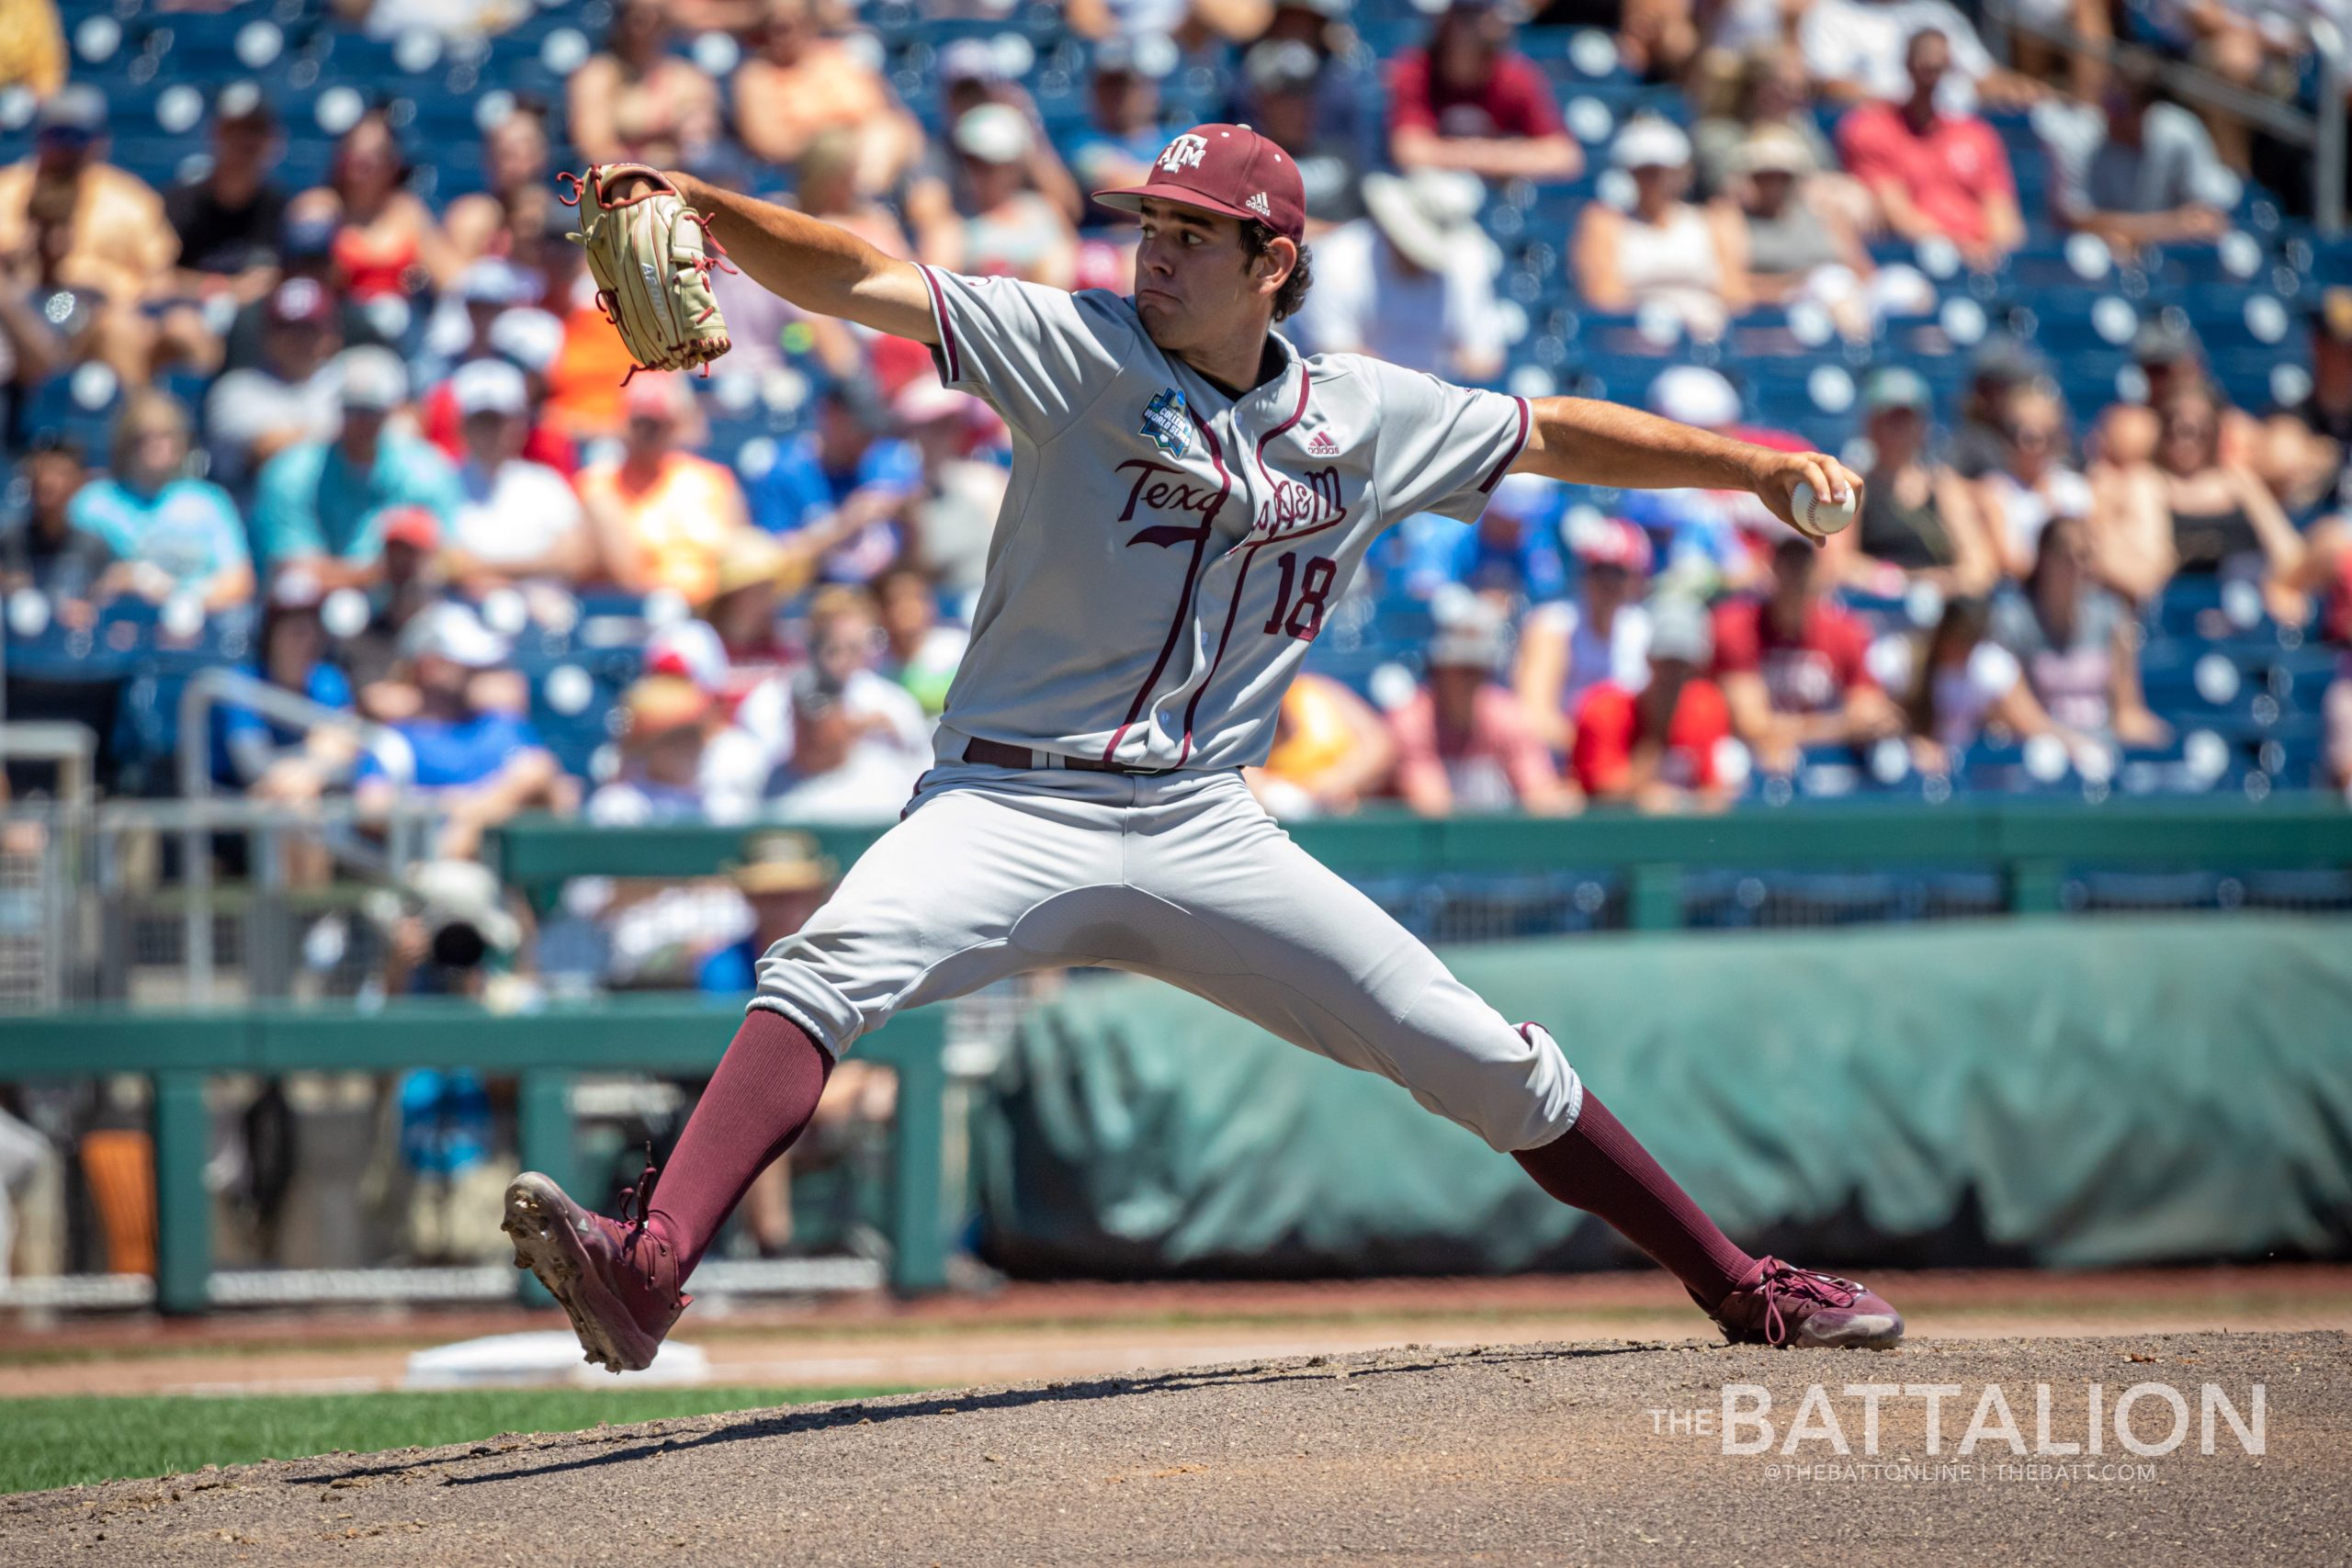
x=1516, y=449
x=1249, y=554
x=1184, y=600
x=954, y=365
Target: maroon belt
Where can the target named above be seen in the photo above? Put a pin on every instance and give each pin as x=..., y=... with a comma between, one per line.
x=998, y=755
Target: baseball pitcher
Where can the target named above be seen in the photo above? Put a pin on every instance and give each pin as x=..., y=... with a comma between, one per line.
x=1189, y=498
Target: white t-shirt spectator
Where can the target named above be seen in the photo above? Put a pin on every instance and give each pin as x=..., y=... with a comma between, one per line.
x=1965, y=694
x=1365, y=301
x=878, y=775
x=514, y=516
x=2021, y=515
x=1623, y=657
x=248, y=406
x=2174, y=166
x=1856, y=40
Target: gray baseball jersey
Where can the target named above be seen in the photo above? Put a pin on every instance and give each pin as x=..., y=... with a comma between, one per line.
x=1164, y=555
x=1167, y=551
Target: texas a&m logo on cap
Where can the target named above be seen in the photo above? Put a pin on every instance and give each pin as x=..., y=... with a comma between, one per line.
x=1185, y=153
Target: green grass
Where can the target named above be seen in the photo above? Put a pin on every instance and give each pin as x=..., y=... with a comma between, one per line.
x=63, y=1442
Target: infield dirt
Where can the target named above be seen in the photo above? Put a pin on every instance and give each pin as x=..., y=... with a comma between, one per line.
x=1544, y=1453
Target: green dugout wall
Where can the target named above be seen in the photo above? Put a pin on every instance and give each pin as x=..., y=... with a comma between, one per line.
x=2045, y=1091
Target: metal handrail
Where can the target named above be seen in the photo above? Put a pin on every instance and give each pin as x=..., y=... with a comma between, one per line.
x=206, y=689
x=2322, y=131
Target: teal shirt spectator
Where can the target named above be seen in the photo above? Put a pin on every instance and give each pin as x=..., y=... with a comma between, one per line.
x=314, y=501
x=189, y=528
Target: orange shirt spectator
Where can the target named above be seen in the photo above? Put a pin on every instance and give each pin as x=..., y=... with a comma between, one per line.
x=662, y=515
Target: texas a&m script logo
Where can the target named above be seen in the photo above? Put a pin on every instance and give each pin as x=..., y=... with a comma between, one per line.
x=1167, y=423
x=1185, y=153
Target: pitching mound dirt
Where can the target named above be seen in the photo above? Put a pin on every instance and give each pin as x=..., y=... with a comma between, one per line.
x=1564, y=1453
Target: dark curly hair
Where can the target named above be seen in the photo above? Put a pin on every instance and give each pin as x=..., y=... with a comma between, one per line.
x=1256, y=237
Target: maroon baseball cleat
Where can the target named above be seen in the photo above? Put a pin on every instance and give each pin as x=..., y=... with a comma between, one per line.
x=617, y=1279
x=1778, y=1304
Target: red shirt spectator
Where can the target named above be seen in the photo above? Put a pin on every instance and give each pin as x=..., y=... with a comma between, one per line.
x=437, y=411
x=1610, y=724
x=1470, y=101
x=1933, y=173
x=1514, y=100
x=1810, y=672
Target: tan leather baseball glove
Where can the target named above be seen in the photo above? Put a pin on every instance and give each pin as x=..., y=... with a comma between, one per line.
x=651, y=255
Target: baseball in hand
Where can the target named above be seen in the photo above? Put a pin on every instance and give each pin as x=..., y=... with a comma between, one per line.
x=1819, y=515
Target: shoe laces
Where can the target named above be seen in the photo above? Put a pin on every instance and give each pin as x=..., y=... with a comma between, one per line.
x=636, y=1203
x=1786, y=1280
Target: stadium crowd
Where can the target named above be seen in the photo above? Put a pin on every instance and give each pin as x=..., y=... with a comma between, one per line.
x=370, y=438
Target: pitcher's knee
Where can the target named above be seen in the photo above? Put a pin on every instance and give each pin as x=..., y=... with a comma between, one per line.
x=1513, y=1086
x=793, y=980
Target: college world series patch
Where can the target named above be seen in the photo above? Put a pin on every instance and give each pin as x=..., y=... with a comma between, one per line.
x=1165, y=421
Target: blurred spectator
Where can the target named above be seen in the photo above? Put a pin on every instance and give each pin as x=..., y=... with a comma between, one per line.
x=1124, y=132
x=1660, y=743
x=828, y=185
x=1665, y=254
x=2256, y=48
x=323, y=502
x=636, y=102
x=305, y=253
x=511, y=208
x=661, y=777
x=1957, y=682
x=951, y=519
x=1934, y=173
x=2000, y=369
x=2034, y=483
x=784, y=879
x=291, y=764
x=801, y=84
x=1288, y=85
x=409, y=583
x=516, y=521
x=1330, y=751
x=170, y=533
x=100, y=231
x=1762, y=88
x=293, y=395
x=1511, y=554
x=479, y=768
x=586, y=377
x=1010, y=229
x=2191, y=512
x=1198, y=23
x=2172, y=361
x=922, y=652
x=938, y=193
x=39, y=546
x=459, y=331
x=1463, y=743
x=1470, y=101
x=1570, y=646
x=1414, y=283
x=662, y=515
x=2137, y=170
x=2305, y=454
x=1709, y=538
x=1858, y=51
x=228, y=218
x=1657, y=39
x=1784, y=248
x=2075, y=642
x=1919, y=520
x=859, y=742
x=529, y=340
x=33, y=55
x=1793, y=665
x=387, y=244
x=836, y=491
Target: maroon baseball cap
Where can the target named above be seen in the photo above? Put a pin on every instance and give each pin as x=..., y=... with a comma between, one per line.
x=1223, y=168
